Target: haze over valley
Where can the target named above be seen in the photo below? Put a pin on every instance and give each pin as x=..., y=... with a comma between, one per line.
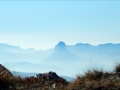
x=63, y=59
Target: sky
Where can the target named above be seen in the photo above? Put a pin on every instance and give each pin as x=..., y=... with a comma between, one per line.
x=42, y=24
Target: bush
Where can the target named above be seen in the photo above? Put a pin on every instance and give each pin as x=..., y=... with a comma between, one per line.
x=93, y=74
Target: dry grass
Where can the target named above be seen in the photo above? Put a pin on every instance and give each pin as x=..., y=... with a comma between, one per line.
x=93, y=74
x=96, y=79
x=93, y=79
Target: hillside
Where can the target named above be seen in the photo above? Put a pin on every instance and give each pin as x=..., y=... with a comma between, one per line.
x=4, y=71
x=92, y=79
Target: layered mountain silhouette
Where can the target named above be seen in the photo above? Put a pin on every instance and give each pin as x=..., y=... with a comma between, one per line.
x=31, y=67
x=10, y=53
x=62, y=57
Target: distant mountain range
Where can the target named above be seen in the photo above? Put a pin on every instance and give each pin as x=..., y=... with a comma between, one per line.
x=61, y=56
x=63, y=59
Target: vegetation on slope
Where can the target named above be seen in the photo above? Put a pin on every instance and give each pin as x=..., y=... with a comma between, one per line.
x=94, y=79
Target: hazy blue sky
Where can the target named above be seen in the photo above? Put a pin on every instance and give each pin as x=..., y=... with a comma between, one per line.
x=42, y=24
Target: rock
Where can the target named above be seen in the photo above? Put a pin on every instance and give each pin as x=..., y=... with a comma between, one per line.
x=50, y=76
x=4, y=71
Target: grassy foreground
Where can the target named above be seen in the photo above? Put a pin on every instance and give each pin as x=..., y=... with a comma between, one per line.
x=92, y=80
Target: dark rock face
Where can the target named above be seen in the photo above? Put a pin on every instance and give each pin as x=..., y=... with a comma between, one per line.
x=5, y=74
x=49, y=76
x=5, y=71
x=53, y=75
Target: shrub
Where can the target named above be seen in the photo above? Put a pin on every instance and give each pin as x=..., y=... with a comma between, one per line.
x=93, y=74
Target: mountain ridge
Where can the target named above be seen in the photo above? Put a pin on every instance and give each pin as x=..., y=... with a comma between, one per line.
x=62, y=57
x=77, y=44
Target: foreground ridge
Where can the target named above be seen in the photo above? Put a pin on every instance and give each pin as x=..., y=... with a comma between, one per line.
x=95, y=79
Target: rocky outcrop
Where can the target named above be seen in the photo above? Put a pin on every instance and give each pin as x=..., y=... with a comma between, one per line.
x=49, y=76
x=4, y=71
x=60, y=46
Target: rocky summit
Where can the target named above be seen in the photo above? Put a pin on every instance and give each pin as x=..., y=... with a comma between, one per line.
x=60, y=46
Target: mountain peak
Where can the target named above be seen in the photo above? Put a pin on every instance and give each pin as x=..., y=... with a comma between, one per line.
x=60, y=46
